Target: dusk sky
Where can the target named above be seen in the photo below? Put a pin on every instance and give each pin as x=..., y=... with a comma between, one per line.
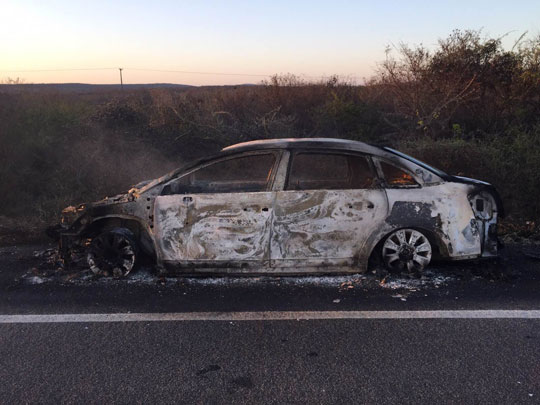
x=249, y=39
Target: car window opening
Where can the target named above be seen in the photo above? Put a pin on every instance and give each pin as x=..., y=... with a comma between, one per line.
x=315, y=171
x=396, y=177
x=242, y=174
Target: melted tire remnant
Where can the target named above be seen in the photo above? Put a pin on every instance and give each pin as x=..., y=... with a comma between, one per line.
x=113, y=253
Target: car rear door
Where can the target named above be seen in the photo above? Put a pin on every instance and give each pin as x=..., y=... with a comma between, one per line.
x=218, y=215
x=330, y=205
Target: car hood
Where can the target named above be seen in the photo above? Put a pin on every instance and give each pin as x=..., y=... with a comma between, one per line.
x=468, y=180
x=122, y=197
x=115, y=199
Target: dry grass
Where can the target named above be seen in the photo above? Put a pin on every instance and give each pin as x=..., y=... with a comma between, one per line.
x=468, y=107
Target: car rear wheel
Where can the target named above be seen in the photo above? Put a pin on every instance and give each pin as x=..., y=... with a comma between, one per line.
x=113, y=253
x=406, y=249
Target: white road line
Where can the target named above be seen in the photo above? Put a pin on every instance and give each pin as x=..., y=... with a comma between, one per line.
x=270, y=316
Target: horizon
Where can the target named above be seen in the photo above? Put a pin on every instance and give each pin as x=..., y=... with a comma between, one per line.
x=157, y=84
x=218, y=43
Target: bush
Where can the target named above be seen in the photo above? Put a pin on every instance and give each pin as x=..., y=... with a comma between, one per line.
x=510, y=162
x=468, y=81
x=469, y=107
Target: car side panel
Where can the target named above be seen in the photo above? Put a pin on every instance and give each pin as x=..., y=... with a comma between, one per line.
x=230, y=229
x=324, y=227
x=443, y=209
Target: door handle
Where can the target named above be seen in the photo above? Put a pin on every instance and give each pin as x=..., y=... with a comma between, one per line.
x=370, y=205
x=255, y=209
x=187, y=199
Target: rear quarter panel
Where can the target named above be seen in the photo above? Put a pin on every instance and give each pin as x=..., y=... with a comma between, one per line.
x=442, y=209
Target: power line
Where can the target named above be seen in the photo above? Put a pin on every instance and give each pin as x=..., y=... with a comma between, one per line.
x=222, y=73
x=170, y=71
x=53, y=70
x=160, y=71
x=227, y=73
x=136, y=69
x=199, y=73
x=140, y=70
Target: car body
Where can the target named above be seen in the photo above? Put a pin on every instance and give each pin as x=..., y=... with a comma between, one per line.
x=284, y=206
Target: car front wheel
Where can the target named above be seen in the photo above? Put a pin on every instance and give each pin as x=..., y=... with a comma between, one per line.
x=113, y=253
x=406, y=249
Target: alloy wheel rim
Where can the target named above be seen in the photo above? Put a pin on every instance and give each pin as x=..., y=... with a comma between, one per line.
x=407, y=249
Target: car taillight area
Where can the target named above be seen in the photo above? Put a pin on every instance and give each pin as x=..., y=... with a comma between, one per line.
x=485, y=211
x=483, y=205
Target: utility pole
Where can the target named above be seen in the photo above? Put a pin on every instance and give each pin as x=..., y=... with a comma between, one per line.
x=121, y=82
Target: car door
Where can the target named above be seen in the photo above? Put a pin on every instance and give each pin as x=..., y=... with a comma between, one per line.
x=219, y=214
x=330, y=205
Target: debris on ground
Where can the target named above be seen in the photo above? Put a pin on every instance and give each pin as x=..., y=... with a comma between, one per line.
x=51, y=268
x=48, y=267
x=347, y=285
x=35, y=280
x=46, y=253
x=428, y=279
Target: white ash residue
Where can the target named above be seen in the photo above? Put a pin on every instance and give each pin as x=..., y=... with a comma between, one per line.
x=36, y=280
x=51, y=270
x=428, y=280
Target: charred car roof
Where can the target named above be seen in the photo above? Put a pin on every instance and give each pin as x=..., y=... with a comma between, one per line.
x=320, y=143
x=290, y=144
x=303, y=143
x=267, y=144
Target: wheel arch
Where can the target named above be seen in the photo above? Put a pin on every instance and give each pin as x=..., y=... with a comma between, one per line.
x=440, y=250
x=140, y=230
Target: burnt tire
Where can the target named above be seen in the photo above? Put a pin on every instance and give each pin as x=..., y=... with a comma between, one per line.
x=406, y=250
x=114, y=252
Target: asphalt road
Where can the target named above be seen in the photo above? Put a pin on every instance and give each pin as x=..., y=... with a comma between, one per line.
x=443, y=360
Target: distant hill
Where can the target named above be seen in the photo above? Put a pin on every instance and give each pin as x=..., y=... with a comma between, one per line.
x=84, y=88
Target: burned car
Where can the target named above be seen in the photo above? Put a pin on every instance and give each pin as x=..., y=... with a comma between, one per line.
x=289, y=206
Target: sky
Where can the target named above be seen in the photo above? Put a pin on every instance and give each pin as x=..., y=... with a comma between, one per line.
x=243, y=41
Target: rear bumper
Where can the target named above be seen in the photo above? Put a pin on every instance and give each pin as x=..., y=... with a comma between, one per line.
x=490, y=245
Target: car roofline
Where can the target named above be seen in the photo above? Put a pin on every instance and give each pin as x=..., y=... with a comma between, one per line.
x=278, y=144
x=286, y=143
x=304, y=143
